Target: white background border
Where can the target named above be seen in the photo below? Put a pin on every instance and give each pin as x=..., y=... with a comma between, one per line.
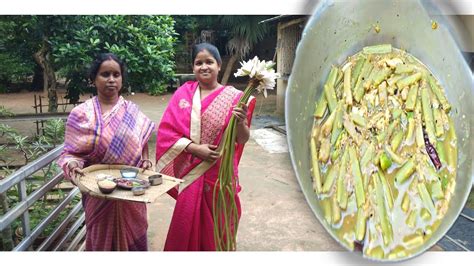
x=188, y=7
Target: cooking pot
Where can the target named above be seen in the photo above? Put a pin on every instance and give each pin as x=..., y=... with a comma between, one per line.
x=338, y=29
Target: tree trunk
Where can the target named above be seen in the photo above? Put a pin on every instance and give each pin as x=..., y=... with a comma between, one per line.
x=228, y=69
x=38, y=79
x=52, y=95
x=42, y=57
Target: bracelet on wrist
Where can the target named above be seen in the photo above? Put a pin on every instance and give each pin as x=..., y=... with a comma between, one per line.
x=146, y=160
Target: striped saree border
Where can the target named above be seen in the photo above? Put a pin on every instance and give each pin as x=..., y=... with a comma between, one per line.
x=201, y=168
x=195, y=130
x=172, y=153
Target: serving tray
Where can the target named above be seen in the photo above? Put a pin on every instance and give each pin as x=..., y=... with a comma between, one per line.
x=88, y=183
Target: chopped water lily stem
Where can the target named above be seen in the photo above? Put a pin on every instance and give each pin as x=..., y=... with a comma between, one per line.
x=364, y=74
x=410, y=129
x=336, y=211
x=428, y=115
x=378, y=49
x=321, y=107
x=396, y=141
x=402, y=83
x=439, y=127
x=359, y=186
x=360, y=224
x=347, y=86
x=357, y=70
x=331, y=177
x=317, y=185
x=411, y=98
x=341, y=191
x=330, y=97
x=386, y=189
x=387, y=233
x=405, y=172
x=439, y=93
x=395, y=157
x=404, y=68
x=426, y=197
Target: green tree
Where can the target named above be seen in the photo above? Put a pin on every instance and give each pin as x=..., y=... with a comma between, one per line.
x=28, y=39
x=64, y=46
x=145, y=43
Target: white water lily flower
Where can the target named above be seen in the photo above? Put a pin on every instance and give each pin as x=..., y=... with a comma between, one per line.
x=248, y=68
x=269, y=65
x=260, y=71
x=268, y=81
x=245, y=70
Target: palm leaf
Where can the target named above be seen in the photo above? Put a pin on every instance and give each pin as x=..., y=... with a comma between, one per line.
x=245, y=32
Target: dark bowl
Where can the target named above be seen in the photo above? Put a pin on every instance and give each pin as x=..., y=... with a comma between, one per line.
x=129, y=172
x=106, y=186
x=155, y=179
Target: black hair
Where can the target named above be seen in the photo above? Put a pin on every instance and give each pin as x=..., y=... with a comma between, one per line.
x=94, y=68
x=208, y=47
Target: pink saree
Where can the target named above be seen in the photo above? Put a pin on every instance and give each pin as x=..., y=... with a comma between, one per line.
x=116, y=137
x=187, y=119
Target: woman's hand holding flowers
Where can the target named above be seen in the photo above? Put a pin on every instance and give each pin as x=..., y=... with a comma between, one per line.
x=240, y=114
x=206, y=152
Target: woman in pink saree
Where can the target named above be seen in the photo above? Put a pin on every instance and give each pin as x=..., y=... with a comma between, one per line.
x=188, y=147
x=108, y=129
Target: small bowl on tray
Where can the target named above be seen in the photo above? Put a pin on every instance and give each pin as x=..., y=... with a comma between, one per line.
x=155, y=180
x=129, y=172
x=138, y=191
x=106, y=186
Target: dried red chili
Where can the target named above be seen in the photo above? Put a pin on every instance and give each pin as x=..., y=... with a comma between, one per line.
x=432, y=153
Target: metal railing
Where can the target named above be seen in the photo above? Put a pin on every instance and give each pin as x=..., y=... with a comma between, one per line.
x=65, y=236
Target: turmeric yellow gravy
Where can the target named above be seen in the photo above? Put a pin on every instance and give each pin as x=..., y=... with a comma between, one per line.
x=383, y=152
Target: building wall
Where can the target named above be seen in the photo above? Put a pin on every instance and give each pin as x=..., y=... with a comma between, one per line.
x=288, y=37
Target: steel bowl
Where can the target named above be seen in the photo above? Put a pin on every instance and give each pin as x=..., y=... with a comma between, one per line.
x=155, y=180
x=338, y=29
x=138, y=191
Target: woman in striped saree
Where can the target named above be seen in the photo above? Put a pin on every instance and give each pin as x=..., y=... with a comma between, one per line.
x=108, y=129
x=187, y=147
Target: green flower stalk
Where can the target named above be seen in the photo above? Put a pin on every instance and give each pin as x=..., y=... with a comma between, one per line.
x=225, y=213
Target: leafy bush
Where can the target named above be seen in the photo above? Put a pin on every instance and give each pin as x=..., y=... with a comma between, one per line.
x=5, y=112
x=145, y=43
x=32, y=148
x=13, y=69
